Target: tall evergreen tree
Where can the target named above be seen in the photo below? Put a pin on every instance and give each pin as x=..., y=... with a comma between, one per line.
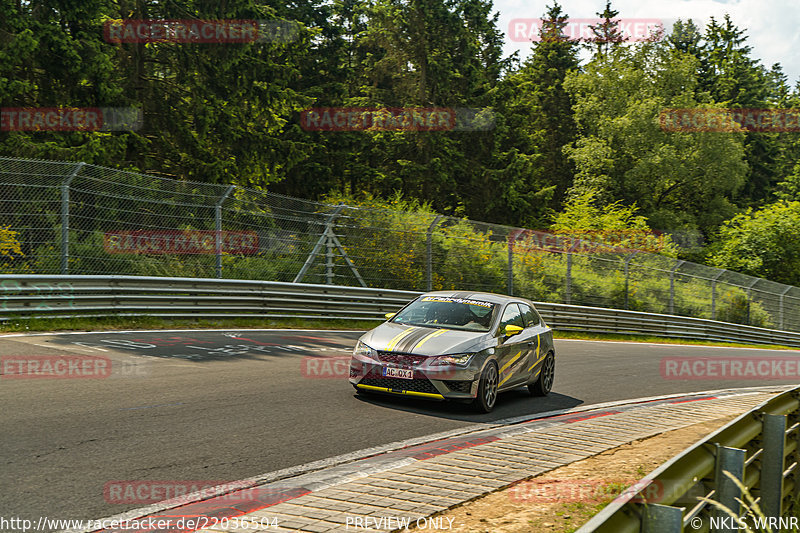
x=541, y=80
x=607, y=35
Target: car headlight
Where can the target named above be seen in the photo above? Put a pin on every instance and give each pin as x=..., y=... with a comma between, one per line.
x=462, y=359
x=365, y=351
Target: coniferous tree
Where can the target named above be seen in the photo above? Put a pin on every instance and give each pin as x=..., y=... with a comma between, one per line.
x=607, y=35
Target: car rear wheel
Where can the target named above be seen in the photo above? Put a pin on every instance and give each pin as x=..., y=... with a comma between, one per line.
x=544, y=383
x=487, y=389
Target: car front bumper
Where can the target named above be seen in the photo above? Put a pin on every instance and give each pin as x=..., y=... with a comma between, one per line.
x=436, y=383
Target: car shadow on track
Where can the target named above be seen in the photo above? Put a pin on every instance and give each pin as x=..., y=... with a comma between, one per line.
x=517, y=402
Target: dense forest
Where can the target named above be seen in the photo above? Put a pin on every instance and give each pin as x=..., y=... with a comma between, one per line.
x=565, y=134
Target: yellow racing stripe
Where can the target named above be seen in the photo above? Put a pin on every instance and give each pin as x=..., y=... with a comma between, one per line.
x=427, y=337
x=538, y=348
x=511, y=362
x=397, y=338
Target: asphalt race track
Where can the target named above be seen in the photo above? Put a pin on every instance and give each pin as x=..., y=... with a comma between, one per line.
x=227, y=405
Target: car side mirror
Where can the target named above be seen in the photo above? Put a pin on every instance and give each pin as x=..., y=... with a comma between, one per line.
x=389, y=316
x=510, y=330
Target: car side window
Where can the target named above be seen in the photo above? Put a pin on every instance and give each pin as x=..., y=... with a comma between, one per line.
x=530, y=316
x=512, y=317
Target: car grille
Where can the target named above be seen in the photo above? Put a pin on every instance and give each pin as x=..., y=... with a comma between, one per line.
x=401, y=358
x=415, y=385
x=459, y=386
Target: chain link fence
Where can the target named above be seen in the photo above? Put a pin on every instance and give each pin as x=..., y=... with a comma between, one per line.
x=75, y=218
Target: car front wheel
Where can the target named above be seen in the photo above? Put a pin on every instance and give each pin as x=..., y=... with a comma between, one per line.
x=487, y=389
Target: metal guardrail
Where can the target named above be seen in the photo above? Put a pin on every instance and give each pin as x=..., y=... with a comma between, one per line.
x=760, y=449
x=35, y=296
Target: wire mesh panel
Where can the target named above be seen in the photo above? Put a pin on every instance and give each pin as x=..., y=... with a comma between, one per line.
x=73, y=218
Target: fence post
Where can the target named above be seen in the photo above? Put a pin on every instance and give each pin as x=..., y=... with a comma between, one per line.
x=568, y=288
x=729, y=460
x=429, y=250
x=324, y=238
x=771, y=483
x=329, y=255
x=627, y=276
x=749, y=292
x=714, y=294
x=510, y=266
x=65, y=218
x=218, y=227
x=788, y=288
x=672, y=287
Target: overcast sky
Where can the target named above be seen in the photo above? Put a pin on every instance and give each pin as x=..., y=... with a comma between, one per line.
x=772, y=26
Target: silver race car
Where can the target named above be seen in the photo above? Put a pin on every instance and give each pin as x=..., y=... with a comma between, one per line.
x=455, y=345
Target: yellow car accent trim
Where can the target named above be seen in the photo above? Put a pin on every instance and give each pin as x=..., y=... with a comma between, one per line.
x=537, y=361
x=511, y=362
x=408, y=392
x=427, y=337
x=397, y=338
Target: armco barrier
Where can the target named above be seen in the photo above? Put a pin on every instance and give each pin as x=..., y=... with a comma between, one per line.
x=34, y=296
x=759, y=449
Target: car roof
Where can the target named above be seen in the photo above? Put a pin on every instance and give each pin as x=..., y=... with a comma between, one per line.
x=473, y=295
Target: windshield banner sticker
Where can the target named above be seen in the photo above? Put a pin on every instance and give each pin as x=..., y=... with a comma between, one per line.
x=456, y=300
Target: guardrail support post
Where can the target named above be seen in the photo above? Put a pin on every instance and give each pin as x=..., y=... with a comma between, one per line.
x=65, y=218
x=218, y=228
x=729, y=460
x=658, y=518
x=672, y=286
x=772, y=465
x=429, y=251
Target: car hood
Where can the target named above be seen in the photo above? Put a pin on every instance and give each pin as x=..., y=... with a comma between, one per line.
x=392, y=337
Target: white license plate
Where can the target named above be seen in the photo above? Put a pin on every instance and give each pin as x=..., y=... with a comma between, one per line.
x=401, y=373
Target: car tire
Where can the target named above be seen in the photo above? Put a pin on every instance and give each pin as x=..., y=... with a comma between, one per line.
x=487, y=389
x=544, y=383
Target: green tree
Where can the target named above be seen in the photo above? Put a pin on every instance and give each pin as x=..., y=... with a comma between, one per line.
x=53, y=55
x=615, y=224
x=607, y=36
x=539, y=84
x=734, y=78
x=680, y=181
x=762, y=242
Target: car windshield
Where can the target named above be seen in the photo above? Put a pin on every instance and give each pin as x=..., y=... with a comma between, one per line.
x=447, y=312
